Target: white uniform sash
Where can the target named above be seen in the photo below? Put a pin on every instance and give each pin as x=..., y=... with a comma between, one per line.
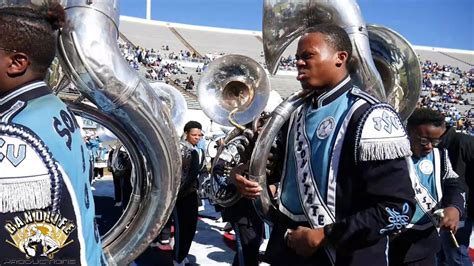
x=424, y=199
x=313, y=204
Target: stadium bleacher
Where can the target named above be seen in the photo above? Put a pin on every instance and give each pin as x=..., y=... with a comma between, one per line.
x=150, y=35
x=218, y=42
x=206, y=43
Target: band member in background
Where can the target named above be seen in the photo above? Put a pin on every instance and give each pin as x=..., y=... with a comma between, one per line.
x=436, y=187
x=247, y=225
x=461, y=154
x=185, y=214
x=186, y=210
x=45, y=197
x=345, y=185
x=120, y=165
x=100, y=159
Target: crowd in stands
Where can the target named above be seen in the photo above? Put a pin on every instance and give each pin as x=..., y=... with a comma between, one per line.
x=287, y=63
x=185, y=55
x=152, y=61
x=444, y=87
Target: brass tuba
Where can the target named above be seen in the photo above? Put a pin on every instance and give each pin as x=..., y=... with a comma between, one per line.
x=127, y=105
x=232, y=91
x=376, y=50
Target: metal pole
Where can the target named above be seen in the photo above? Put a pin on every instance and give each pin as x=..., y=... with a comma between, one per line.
x=148, y=9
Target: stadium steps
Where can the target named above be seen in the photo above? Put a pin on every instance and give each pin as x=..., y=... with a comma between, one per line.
x=191, y=98
x=183, y=41
x=456, y=58
x=125, y=39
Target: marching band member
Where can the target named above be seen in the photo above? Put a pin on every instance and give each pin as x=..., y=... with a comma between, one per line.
x=185, y=213
x=345, y=185
x=436, y=186
x=460, y=149
x=46, y=205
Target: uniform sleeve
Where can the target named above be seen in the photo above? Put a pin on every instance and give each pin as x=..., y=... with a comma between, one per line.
x=388, y=187
x=386, y=199
x=453, y=193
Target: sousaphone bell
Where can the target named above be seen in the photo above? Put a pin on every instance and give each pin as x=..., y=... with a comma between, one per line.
x=233, y=91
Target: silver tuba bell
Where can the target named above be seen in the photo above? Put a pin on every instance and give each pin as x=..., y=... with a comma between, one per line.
x=133, y=111
x=175, y=101
x=232, y=91
x=375, y=50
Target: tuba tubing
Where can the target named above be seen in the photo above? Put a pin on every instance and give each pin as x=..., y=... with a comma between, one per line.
x=90, y=56
x=257, y=167
x=280, y=31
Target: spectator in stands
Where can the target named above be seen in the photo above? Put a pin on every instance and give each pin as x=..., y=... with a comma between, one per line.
x=190, y=83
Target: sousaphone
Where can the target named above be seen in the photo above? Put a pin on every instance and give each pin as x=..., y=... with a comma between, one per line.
x=112, y=94
x=233, y=91
x=385, y=65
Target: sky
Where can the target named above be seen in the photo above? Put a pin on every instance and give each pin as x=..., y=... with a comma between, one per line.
x=435, y=23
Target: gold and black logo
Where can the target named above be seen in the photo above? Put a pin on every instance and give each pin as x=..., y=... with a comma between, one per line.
x=39, y=233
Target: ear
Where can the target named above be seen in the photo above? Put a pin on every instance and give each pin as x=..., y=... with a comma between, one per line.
x=19, y=63
x=341, y=58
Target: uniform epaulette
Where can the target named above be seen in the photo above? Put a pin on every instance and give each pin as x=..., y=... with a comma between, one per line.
x=364, y=95
x=30, y=176
x=380, y=135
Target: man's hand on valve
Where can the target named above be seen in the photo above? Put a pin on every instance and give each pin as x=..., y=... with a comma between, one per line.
x=249, y=189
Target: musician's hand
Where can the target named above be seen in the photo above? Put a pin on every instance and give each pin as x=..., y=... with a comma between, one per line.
x=450, y=219
x=273, y=190
x=305, y=241
x=248, y=189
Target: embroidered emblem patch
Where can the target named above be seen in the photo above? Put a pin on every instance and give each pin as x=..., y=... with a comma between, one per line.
x=325, y=127
x=426, y=167
x=396, y=220
x=39, y=233
x=386, y=121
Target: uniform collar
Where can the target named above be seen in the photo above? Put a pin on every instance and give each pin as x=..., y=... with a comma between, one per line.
x=25, y=92
x=334, y=93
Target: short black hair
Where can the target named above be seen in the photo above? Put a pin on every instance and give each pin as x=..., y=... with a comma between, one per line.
x=32, y=31
x=335, y=36
x=425, y=116
x=192, y=124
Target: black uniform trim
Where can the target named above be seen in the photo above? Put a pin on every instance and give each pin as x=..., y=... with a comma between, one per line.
x=26, y=92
